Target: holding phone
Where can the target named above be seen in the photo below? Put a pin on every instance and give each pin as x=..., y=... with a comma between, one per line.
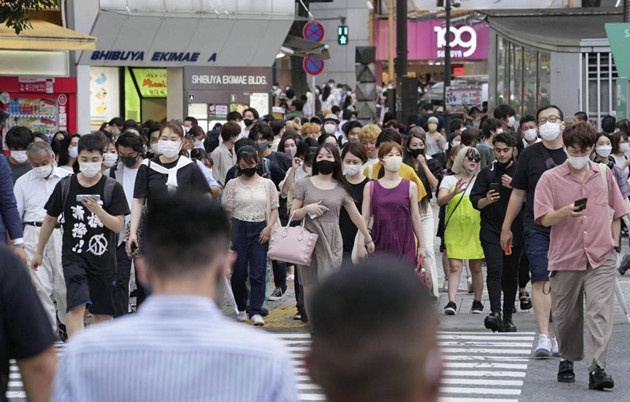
x=581, y=204
x=81, y=197
x=495, y=187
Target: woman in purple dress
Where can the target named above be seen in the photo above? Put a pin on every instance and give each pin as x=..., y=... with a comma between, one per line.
x=392, y=202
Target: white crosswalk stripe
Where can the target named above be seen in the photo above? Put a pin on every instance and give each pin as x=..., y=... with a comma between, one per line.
x=478, y=366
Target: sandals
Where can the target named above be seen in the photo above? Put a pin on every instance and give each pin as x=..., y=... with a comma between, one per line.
x=526, y=301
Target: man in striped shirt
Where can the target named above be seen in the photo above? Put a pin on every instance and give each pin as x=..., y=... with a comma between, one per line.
x=179, y=346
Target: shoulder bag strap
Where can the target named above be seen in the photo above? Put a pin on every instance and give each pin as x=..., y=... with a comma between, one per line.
x=458, y=202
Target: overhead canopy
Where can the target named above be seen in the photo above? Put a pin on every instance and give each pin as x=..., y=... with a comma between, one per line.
x=304, y=47
x=45, y=36
x=556, y=31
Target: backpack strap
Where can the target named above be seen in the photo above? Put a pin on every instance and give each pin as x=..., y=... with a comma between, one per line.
x=266, y=168
x=65, y=189
x=108, y=191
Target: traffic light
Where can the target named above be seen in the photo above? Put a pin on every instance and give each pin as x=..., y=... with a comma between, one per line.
x=342, y=35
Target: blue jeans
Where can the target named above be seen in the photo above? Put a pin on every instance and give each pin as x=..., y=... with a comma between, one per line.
x=537, y=248
x=253, y=255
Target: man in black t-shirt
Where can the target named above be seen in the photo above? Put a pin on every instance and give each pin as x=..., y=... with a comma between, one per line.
x=94, y=207
x=532, y=163
x=25, y=332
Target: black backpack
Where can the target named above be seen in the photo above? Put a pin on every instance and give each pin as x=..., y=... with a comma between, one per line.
x=108, y=190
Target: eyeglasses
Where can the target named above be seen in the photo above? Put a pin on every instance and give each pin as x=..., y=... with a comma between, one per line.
x=475, y=158
x=551, y=119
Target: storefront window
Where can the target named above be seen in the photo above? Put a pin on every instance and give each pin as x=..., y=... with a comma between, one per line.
x=530, y=76
x=516, y=78
x=132, y=98
x=544, y=78
x=502, y=76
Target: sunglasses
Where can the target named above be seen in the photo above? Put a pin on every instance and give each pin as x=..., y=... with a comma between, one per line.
x=475, y=158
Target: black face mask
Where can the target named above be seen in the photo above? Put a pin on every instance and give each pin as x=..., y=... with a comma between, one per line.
x=129, y=161
x=249, y=172
x=326, y=167
x=248, y=122
x=416, y=152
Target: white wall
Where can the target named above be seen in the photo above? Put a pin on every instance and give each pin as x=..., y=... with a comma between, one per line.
x=340, y=66
x=564, y=76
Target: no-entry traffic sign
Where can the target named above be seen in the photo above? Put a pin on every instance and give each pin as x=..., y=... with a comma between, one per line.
x=313, y=67
x=314, y=31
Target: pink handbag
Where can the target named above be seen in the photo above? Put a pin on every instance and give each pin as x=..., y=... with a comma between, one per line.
x=292, y=244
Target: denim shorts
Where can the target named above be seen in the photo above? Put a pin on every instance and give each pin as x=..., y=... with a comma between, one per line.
x=537, y=247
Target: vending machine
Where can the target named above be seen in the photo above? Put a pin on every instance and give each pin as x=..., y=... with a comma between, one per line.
x=46, y=105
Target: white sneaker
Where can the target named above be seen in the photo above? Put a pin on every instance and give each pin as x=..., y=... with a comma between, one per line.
x=257, y=320
x=554, y=347
x=290, y=278
x=241, y=316
x=543, y=350
x=469, y=282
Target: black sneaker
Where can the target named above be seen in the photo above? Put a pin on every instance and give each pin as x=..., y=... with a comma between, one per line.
x=507, y=326
x=565, y=372
x=598, y=379
x=61, y=331
x=477, y=307
x=277, y=294
x=450, y=308
x=493, y=321
x=526, y=300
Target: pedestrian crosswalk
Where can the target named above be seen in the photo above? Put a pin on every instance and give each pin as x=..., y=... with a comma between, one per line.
x=478, y=366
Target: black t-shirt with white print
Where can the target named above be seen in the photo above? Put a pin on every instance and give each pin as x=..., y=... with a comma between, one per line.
x=86, y=240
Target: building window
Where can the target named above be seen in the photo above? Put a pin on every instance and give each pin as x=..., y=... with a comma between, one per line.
x=601, y=84
x=502, y=71
x=516, y=78
x=530, y=80
x=544, y=79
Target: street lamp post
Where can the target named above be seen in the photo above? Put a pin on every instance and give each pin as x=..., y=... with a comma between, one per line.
x=448, y=4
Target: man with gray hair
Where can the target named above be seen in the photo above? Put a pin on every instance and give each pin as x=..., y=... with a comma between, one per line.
x=32, y=191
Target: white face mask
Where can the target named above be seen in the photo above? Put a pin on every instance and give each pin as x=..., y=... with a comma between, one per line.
x=308, y=170
x=499, y=131
x=109, y=160
x=19, y=156
x=330, y=128
x=73, y=152
x=169, y=148
x=549, y=131
x=43, y=171
x=530, y=135
x=603, y=151
x=625, y=147
x=199, y=145
x=155, y=148
x=351, y=170
x=578, y=162
x=392, y=163
x=455, y=143
x=511, y=121
x=90, y=169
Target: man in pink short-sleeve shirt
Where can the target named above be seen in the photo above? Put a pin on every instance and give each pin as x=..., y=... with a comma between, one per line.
x=582, y=255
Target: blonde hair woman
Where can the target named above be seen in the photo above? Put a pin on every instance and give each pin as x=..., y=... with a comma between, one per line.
x=461, y=226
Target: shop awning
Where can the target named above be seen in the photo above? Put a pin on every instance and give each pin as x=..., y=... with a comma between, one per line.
x=304, y=47
x=556, y=31
x=45, y=36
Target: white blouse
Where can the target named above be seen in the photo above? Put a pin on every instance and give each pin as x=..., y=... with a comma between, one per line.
x=251, y=202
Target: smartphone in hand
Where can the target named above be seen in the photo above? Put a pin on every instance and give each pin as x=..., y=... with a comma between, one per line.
x=495, y=187
x=581, y=204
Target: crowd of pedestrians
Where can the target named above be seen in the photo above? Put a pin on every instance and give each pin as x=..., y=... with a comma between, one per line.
x=170, y=214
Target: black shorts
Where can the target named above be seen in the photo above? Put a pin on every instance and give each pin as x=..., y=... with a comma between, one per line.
x=94, y=290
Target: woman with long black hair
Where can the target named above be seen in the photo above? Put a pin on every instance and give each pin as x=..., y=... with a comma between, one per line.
x=318, y=200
